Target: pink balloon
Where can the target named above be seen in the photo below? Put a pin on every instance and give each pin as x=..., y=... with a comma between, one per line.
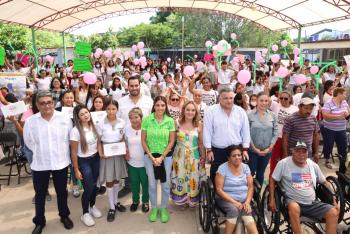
x=243, y=76
x=300, y=79
x=314, y=69
x=284, y=43
x=189, y=71
x=221, y=48
x=136, y=61
x=168, y=60
x=99, y=50
x=134, y=47
x=140, y=45
x=146, y=76
x=275, y=58
x=132, y=54
x=264, y=51
x=107, y=54
x=296, y=59
x=208, y=44
x=257, y=54
x=233, y=36
x=97, y=55
x=282, y=72
x=296, y=51
x=228, y=53
x=142, y=52
x=199, y=66
x=110, y=50
x=143, y=64
x=89, y=78
x=259, y=59
x=274, y=47
x=143, y=59
x=49, y=59
x=118, y=52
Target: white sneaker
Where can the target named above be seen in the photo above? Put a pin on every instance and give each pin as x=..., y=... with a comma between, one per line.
x=87, y=220
x=95, y=212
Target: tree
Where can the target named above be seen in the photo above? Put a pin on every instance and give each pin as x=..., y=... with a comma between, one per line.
x=13, y=35
x=153, y=35
x=160, y=17
x=105, y=40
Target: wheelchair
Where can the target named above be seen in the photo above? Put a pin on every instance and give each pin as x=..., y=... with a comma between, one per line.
x=278, y=222
x=211, y=216
x=344, y=183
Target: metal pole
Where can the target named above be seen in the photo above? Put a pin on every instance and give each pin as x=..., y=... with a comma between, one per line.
x=183, y=29
x=34, y=45
x=64, y=49
x=299, y=36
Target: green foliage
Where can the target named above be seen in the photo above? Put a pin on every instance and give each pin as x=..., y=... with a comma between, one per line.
x=160, y=17
x=14, y=35
x=153, y=35
x=104, y=41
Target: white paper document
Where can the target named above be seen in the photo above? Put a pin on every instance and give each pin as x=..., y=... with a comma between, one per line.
x=114, y=149
x=14, y=108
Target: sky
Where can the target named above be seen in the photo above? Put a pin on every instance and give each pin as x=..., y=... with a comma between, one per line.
x=134, y=19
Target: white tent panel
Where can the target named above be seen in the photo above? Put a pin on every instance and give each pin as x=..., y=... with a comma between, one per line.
x=158, y=3
x=181, y=3
x=273, y=23
x=85, y=15
x=230, y=8
x=133, y=5
x=302, y=14
x=59, y=5
x=278, y=4
x=63, y=23
x=252, y=14
x=110, y=8
x=323, y=9
x=204, y=5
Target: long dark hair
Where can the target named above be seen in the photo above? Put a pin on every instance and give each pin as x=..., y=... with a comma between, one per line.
x=93, y=109
x=113, y=86
x=76, y=119
x=51, y=84
x=89, y=94
x=64, y=94
x=163, y=99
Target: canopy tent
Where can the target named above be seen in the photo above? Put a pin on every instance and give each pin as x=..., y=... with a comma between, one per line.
x=68, y=15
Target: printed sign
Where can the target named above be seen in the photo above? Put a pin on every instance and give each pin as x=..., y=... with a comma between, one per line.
x=82, y=64
x=2, y=56
x=15, y=82
x=13, y=109
x=82, y=48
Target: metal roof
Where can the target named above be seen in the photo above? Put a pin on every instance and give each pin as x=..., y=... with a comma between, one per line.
x=69, y=15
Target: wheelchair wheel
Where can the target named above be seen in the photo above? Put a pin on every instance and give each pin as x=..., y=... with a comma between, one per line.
x=270, y=220
x=336, y=188
x=204, y=211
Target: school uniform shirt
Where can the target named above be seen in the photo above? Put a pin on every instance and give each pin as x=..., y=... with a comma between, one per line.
x=48, y=140
x=117, y=93
x=224, y=77
x=91, y=141
x=44, y=83
x=136, y=152
x=110, y=134
x=145, y=103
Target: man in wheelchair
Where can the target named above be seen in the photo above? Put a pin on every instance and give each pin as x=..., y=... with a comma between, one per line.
x=297, y=177
x=234, y=189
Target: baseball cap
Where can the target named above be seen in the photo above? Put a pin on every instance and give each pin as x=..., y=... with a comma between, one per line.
x=307, y=99
x=300, y=145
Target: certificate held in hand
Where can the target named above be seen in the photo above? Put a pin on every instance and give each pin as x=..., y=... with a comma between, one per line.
x=114, y=149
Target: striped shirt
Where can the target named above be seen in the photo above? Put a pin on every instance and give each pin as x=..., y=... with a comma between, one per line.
x=332, y=108
x=300, y=129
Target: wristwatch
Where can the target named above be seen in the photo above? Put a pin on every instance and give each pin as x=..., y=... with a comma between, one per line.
x=209, y=150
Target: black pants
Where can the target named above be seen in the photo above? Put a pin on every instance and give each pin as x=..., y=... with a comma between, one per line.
x=41, y=183
x=220, y=157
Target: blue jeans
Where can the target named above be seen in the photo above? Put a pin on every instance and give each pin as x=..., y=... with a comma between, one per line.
x=258, y=164
x=152, y=182
x=89, y=169
x=339, y=137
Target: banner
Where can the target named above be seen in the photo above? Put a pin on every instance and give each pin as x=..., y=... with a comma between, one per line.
x=82, y=64
x=82, y=48
x=15, y=82
x=2, y=56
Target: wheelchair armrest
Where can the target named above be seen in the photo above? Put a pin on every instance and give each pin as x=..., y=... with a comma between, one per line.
x=257, y=186
x=327, y=190
x=210, y=185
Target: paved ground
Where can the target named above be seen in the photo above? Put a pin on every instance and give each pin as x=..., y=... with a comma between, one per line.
x=17, y=210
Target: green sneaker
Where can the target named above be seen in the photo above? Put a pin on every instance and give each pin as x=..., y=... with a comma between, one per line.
x=153, y=215
x=164, y=215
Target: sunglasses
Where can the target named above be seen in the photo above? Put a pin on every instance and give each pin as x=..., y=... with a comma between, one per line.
x=284, y=98
x=175, y=99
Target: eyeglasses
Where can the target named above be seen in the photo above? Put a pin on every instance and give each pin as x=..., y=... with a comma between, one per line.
x=284, y=98
x=175, y=99
x=235, y=155
x=49, y=103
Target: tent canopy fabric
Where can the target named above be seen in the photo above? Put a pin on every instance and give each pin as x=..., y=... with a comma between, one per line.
x=69, y=15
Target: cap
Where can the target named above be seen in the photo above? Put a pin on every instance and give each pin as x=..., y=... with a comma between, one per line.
x=300, y=145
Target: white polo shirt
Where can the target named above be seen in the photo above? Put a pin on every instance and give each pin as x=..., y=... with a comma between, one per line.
x=145, y=103
x=48, y=140
x=224, y=77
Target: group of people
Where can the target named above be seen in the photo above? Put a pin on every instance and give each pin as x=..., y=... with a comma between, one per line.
x=168, y=127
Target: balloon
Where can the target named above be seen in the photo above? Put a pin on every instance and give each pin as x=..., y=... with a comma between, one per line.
x=118, y=52
x=49, y=59
x=257, y=54
x=314, y=69
x=221, y=49
x=110, y=50
x=300, y=79
x=189, y=71
x=142, y=52
x=107, y=54
x=134, y=47
x=99, y=50
x=284, y=43
x=143, y=59
x=235, y=60
x=146, y=76
x=136, y=61
x=199, y=66
x=282, y=72
x=223, y=46
x=265, y=50
x=208, y=57
x=228, y=53
x=208, y=44
x=274, y=47
x=275, y=58
x=143, y=64
x=296, y=51
x=259, y=59
x=168, y=60
x=243, y=76
x=195, y=56
x=89, y=78
x=296, y=59
x=140, y=45
x=233, y=36
x=97, y=55
x=215, y=48
x=132, y=54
